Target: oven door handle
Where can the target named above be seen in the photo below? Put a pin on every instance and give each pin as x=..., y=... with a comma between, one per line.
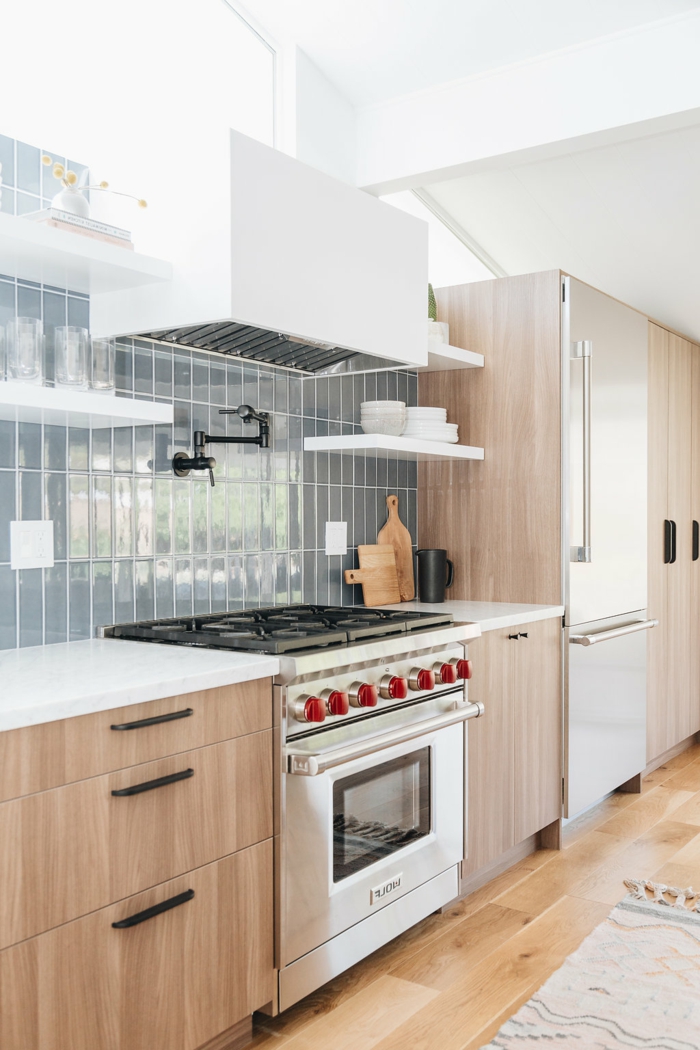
x=311, y=765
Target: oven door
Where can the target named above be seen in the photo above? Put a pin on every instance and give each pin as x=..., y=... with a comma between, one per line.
x=362, y=833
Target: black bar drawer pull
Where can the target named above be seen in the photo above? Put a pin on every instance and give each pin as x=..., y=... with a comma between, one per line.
x=673, y=541
x=696, y=541
x=668, y=545
x=156, y=720
x=149, y=785
x=157, y=909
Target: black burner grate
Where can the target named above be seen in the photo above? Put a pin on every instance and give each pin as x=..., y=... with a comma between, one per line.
x=280, y=629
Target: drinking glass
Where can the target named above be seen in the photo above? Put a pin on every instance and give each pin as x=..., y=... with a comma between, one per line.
x=25, y=346
x=102, y=365
x=71, y=356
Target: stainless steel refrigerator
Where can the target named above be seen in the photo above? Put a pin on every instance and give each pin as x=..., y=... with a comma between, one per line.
x=604, y=543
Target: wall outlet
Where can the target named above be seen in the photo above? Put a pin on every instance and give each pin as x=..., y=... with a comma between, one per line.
x=31, y=544
x=336, y=537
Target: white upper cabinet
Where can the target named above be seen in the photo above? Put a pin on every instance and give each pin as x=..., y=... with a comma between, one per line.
x=282, y=248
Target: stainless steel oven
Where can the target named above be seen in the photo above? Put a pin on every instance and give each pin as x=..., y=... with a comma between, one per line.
x=372, y=834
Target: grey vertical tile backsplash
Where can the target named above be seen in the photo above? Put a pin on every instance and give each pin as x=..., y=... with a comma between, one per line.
x=133, y=541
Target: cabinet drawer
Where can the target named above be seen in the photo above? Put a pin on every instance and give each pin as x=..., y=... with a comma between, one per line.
x=35, y=758
x=77, y=848
x=175, y=980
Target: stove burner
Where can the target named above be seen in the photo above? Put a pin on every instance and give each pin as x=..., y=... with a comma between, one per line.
x=302, y=631
x=228, y=632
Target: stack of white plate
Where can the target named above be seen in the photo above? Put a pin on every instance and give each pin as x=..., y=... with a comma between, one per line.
x=383, y=417
x=430, y=424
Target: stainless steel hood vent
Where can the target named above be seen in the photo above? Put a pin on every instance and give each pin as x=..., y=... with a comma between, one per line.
x=270, y=348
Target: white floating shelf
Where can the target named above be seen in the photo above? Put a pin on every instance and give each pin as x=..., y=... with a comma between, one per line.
x=24, y=403
x=442, y=357
x=35, y=252
x=400, y=447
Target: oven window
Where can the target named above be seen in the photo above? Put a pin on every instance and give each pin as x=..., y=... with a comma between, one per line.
x=379, y=811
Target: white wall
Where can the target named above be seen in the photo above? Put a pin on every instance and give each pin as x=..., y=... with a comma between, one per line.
x=326, y=126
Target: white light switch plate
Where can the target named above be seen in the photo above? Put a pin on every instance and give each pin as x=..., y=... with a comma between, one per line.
x=336, y=537
x=31, y=544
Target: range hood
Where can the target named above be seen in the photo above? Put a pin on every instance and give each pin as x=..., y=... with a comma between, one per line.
x=271, y=348
x=280, y=264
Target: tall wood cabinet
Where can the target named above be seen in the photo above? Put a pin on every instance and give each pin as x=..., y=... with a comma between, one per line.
x=500, y=519
x=673, y=708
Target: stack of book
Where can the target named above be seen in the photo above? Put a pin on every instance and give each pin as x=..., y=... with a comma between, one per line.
x=65, y=220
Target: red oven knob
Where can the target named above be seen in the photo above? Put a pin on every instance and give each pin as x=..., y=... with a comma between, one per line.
x=446, y=674
x=421, y=679
x=337, y=702
x=313, y=709
x=393, y=688
x=362, y=694
x=464, y=669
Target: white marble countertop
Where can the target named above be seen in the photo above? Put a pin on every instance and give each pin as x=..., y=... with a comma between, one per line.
x=489, y=615
x=49, y=682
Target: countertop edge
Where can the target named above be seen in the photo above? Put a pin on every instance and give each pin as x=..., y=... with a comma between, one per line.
x=513, y=619
x=178, y=685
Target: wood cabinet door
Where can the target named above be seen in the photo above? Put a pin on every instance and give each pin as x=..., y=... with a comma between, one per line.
x=695, y=562
x=537, y=727
x=173, y=981
x=679, y=511
x=659, y=735
x=490, y=830
x=77, y=848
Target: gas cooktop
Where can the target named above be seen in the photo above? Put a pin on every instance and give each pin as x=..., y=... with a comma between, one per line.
x=279, y=629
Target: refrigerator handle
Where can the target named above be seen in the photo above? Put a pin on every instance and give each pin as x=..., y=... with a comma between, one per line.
x=616, y=632
x=696, y=541
x=583, y=350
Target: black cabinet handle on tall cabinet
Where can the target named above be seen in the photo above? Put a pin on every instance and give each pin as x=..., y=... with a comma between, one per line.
x=696, y=541
x=157, y=909
x=669, y=542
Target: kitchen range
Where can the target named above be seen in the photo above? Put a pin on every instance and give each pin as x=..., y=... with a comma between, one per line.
x=371, y=709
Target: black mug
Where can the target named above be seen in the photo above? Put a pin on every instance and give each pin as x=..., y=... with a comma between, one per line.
x=435, y=573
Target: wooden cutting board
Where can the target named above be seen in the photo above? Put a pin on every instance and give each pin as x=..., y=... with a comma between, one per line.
x=397, y=536
x=377, y=574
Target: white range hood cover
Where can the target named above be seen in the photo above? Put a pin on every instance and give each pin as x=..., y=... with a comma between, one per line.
x=284, y=264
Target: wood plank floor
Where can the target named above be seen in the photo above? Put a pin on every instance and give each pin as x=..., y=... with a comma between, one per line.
x=451, y=981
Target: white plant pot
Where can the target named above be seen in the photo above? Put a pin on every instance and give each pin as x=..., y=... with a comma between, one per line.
x=438, y=331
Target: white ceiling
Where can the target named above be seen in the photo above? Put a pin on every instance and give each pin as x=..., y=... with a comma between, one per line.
x=374, y=50
x=625, y=218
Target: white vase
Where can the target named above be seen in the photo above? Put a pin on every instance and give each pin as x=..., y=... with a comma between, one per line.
x=72, y=200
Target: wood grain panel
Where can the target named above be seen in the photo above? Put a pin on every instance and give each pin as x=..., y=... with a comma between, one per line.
x=75, y=849
x=679, y=510
x=38, y=757
x=175, y=981
x=500, y=519
x=658, y=734
x=491, y=745
x=694, y=692
x=537, y=696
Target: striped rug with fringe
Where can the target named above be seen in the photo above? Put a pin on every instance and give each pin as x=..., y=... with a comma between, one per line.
x=634, y=982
